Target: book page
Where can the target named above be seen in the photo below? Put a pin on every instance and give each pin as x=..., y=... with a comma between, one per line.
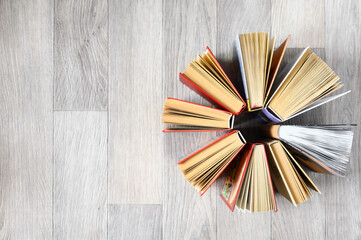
x=282, y=76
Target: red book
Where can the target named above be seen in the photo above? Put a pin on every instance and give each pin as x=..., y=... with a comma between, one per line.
x=207, y=95
x=191, y=117
x=238, y=176
x=203, y=167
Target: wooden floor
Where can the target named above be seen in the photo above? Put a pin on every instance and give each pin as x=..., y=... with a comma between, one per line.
x=82, y=84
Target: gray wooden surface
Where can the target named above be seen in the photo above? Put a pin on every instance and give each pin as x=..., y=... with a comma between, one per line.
x=82, y=84
x=80, y=175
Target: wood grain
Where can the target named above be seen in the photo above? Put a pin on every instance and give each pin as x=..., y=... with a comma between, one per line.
x=232, y=19
x=135, y=102
x=188, y=27
x=343, y=50
x=26, y=121
x=80, y=173
x=135, y=222
x=303, y=19
x=81, y=55
x=57, y=54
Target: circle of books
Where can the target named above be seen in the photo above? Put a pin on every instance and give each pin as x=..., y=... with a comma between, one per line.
x=277, y=162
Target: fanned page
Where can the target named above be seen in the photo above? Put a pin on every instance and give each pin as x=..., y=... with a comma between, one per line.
x=187, y=116
x=289, y=178
x=325, y=147
x=303, y=157
x=206, y=74
x=301, y=172
x=202, y=168
x=276, y=60
x=256, y=192
x=286, y=71
x=255, y=54
x=259, y=64
x=309, y=161
x=241, y=65
x=319, y=103
x=269, y=63
x=311, y=80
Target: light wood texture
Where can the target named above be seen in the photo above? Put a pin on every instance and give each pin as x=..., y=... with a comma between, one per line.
x=303, y=19
x=81, y=55
x=230, y=23
x=80, y=171
x=26, y=119
x=135, y=102
x=106, y=170
x=343, y=21
x=135, y=222
x=188, y=27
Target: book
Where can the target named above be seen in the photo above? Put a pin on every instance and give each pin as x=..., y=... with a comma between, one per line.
x=259, y=64
x=187, y=116
x=206, y=76
x=301, y=86
x=249, y=186
x=289, y=178
x=324, y=149
x=203, y=167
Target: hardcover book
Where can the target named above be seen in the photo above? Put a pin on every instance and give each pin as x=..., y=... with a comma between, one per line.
x=301, y=86
x=206, y=76
x=288, y=177
x=183, y=116
x=249, y=186
x=258, y=168
x=324, y=149
x=203, y=167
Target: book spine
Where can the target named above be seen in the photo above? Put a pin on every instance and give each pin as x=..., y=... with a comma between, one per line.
x=270, y=179
x=198, y=130
x=231, y=121
x=241, y=65
x=265, y=116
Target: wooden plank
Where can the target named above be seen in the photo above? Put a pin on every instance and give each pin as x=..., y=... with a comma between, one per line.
x=343, y=48
x=80, y=175
x=26, y=121
x=135, y=221
x=81, y=55
x=289, y=222
x=188, y=27
x=135, y=127
x=234, y=17
x=303, y=19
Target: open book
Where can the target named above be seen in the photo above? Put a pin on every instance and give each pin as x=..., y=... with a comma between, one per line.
x=249, y=185
x=206, y=76
x=324, y=149
x=187, y=116
x=203, y=167
x=287, y=175
x=259, y=64
x=301, y=86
